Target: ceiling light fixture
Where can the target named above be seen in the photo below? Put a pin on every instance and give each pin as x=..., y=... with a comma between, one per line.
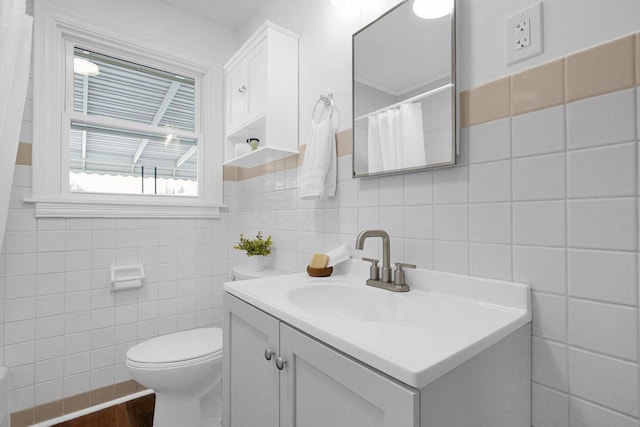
x=335, y=2
x=432, y=9
x=85, y=67
x=171, y=137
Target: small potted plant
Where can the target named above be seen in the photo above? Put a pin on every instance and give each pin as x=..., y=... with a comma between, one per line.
x=257, y=249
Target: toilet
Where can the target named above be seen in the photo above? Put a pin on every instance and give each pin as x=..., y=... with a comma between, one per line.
x=185, y=371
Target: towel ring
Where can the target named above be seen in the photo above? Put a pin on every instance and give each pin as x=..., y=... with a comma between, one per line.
x=327, y=102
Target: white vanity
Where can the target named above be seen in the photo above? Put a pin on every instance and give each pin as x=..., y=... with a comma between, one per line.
x=317, y=352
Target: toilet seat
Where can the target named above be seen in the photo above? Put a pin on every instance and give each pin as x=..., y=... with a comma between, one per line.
x=171, y=365
x=177, y=349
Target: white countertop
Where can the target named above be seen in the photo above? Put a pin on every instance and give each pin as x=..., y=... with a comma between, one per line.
x=446, y=318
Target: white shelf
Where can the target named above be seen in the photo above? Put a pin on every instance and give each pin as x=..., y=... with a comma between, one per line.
x=256, y=128
x=259, y=157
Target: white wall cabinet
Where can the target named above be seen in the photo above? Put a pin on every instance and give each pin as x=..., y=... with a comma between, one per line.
x=261, y=97
x=306, y=383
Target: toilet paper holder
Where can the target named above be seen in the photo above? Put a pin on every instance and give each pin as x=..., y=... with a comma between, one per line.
x=127, y=277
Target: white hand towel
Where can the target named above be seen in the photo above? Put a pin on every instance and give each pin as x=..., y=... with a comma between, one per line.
x=319, y=167
x=338, y=255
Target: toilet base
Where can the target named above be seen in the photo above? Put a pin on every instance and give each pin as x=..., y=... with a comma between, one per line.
x=176, y=410
x=188, y=409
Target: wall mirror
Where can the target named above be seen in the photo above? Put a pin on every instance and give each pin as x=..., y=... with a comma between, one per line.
x=404, y=92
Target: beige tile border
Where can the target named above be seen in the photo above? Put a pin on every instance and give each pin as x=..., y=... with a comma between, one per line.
x=48, y=411
x=74, y=403
x=538, y=88
x=486, y=103
x=24, y=154
x=603, y=69
x=344, y=144
x=637, y=59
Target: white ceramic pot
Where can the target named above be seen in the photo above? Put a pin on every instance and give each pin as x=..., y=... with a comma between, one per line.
x=256, y=262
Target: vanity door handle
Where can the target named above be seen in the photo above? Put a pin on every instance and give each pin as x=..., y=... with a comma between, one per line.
x=280, y=363
x=268, y=354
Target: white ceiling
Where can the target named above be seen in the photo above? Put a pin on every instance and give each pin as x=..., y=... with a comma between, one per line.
x=229, y=13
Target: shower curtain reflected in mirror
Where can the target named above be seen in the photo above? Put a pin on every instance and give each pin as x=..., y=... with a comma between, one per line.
x=396, y=139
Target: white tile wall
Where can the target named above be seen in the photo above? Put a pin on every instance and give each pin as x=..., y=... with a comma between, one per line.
x=605, y=380
x=549, y=407
x=603, y=275
x=539, y=132
x=490, y=141
x=603, y=224
x=539, y=177
x=539, y=223
x=548, y=198
x=64, y=332
x=587, y=414
x=606, y=119
x=603, y=171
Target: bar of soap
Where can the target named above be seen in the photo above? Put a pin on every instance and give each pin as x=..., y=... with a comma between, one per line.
x=319, y=261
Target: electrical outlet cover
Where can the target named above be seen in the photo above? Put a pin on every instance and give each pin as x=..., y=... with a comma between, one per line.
x=524, y=34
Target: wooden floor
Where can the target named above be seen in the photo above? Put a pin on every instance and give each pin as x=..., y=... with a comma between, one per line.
x=134, y=413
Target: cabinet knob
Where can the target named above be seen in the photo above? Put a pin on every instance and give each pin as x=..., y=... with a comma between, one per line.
x=242, y=89
x=268, y=354
x=280, y=363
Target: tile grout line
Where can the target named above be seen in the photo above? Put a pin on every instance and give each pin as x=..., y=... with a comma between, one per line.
x=637, y=208
x=566, y=247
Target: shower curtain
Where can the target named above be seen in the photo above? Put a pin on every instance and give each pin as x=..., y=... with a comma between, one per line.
x=15, y=53
x=396, y=138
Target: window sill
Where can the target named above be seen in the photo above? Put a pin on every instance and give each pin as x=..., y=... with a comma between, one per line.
x=59, y=208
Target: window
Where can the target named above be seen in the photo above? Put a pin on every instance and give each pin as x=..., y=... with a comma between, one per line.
x=109, y=159
x=127, y=137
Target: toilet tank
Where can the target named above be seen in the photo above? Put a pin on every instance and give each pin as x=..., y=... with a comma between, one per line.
x=242, y=272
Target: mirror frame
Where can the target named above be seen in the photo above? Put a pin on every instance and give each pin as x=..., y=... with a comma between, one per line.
x=454, y=102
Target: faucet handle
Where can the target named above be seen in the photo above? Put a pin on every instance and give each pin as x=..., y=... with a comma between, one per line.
x=398, y=275
x=374, y=271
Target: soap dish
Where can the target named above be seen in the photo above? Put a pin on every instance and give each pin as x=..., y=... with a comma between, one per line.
x=319, y=272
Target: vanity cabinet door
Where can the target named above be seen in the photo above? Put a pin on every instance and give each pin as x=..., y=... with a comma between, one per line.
x=250, y=381
x=320, y=387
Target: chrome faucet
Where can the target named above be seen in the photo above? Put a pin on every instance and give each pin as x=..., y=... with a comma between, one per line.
x=383, y=279
x=386, y=250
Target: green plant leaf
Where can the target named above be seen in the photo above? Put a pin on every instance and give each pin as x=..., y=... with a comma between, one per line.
x=257, y=246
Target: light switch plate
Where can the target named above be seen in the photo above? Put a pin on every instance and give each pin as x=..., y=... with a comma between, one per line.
x=524, y=34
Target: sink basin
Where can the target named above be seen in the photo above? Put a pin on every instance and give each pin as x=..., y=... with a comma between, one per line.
x=364, y=304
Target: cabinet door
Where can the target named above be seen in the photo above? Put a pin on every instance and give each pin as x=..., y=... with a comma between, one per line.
x=236, y=88
x=256, y=68
x=320, y=387
x=250, y=382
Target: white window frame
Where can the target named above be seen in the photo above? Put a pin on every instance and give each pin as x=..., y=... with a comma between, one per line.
x=56, y=32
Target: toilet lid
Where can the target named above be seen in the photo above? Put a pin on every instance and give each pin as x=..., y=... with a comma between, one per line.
x=178, y=347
